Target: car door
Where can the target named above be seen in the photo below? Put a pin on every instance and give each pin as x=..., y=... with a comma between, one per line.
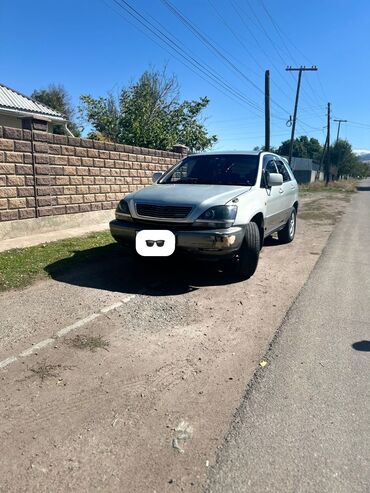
x=274, y=206
x=287, y=190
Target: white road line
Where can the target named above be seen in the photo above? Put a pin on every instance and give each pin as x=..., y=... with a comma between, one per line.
x=118, y=304
x=76, y=325
x=128, y=298
x=65, y=330
x=35, y=347
x=111, y=307
x=7, y=361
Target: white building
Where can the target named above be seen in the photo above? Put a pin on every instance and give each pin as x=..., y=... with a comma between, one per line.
x=20, y=111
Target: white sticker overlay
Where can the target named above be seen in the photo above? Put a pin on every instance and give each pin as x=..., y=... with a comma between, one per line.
x=155, y=243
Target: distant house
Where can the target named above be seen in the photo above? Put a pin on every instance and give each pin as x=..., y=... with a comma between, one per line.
x=20, y=111
x=305, y=170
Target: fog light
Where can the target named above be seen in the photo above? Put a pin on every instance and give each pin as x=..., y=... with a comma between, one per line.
x=225, y=241
x=231, y=239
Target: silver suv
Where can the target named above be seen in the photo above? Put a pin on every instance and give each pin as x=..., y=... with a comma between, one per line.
x=217, y=204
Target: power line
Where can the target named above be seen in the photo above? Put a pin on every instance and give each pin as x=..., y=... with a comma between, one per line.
x=250, y=136
x=236, y=36
x=213, y=78
x=206, y=41
x=246, y=49
x=271, y=40
x=240, y=15
x=283, y=38
x=365, y=125
x=163, y=37
x=267, y=34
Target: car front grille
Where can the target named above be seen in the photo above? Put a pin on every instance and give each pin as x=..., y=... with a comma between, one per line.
x=163, y=211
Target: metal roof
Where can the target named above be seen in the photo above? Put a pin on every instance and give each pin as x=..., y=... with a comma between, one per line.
x=14, y=102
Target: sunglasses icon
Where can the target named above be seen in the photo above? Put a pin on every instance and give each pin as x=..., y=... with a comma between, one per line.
x=150, y=243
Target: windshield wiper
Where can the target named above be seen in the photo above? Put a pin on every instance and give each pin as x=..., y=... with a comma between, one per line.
x=186, y=180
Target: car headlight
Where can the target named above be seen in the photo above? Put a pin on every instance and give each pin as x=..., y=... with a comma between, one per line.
x=122, y=209
x=219, y=216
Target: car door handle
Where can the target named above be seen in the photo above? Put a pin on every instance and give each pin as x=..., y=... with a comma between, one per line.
x=281, y=190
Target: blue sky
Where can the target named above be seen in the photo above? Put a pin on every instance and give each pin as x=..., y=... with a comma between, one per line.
x=90, y=47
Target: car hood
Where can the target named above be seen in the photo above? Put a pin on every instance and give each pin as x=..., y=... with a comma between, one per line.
x=188, y=194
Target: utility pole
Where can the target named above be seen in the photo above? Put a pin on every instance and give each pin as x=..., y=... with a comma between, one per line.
x=327, y=171
x=299, y=70
x=339, y=122
x=267, y=110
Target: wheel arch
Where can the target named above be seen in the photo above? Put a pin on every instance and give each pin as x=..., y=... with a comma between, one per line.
x=260, y=221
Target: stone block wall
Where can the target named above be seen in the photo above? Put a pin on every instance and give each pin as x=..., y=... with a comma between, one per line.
x=42, y=174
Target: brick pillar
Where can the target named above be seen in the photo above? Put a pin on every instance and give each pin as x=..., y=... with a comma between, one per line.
x=35, y=124
x=44, y=181
x=180, y=149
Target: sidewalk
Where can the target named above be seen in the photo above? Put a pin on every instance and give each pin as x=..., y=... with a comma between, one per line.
x=38, y=239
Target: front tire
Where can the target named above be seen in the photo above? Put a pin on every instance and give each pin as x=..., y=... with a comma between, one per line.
x=286, y=235
x=248, y=254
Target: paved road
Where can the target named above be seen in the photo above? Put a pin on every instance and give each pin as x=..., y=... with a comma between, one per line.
x=304, y=425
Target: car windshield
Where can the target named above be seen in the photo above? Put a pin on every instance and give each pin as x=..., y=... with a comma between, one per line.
x=220, y=169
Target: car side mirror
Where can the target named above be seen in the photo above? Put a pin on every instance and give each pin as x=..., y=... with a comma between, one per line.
x=156, y=176
x=274, y=179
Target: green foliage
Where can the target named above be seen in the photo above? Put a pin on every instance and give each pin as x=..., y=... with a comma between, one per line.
x=341, y=155
x=149, y=113
x=303, y=147
x=57, y=98
x=262, y=148
x=348, y=164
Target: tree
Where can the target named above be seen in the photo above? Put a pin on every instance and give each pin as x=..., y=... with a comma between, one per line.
x=57, y=98
x=149, y=113
x=302, y=147
x=262, y=149
x=348, y=164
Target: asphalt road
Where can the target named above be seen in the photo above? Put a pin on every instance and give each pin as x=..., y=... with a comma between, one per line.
x=304, y=424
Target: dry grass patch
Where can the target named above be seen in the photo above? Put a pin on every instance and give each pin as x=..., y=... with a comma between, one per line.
x=347, y=186
x=324, y=208
x=44, y=371
x=92, y=343
x=321, y=216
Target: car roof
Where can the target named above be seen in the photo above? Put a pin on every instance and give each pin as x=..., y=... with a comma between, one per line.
x=215, y=153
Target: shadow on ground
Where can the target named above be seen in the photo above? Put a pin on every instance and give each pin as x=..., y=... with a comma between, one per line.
x=111, y=269
x=271, y=241
x=363, y=188
x=361, y=346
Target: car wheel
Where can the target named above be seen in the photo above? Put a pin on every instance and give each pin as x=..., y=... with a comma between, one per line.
x=247, y=258
x=286, y=235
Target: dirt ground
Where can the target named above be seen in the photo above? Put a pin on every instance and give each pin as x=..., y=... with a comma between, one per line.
x=139, y=398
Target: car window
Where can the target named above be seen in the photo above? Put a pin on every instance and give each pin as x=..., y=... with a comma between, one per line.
x=183, y=171
x=271, y=166
x=268, y=166
x=217, y=169
x=283, y=170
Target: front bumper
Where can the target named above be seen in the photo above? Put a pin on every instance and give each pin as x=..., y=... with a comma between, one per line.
x=215, y=242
